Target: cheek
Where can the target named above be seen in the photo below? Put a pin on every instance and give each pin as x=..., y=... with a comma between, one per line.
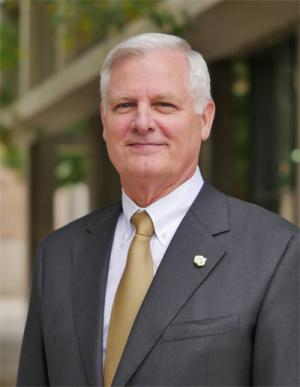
x=187, y=138
x=180, y=128
x=115, y=130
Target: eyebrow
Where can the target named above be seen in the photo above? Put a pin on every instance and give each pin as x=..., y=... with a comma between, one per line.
x=121, y=98
x=156, y=97
x=167, y=97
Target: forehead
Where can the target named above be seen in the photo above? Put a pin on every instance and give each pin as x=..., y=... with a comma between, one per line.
x=162, y=71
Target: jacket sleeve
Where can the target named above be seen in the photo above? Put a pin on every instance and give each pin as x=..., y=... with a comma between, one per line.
x=33, y=365
x=276, y=349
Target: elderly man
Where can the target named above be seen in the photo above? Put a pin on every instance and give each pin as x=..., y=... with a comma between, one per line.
x=178, y=285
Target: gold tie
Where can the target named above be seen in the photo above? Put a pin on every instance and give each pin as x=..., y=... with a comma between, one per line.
x=130, y=294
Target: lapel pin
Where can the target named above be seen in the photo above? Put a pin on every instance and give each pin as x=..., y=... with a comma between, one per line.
x=199, y=260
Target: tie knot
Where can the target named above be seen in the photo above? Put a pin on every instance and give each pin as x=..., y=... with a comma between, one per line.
x=143, y=224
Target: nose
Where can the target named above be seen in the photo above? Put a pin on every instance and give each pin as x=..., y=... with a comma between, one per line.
x=143, y=119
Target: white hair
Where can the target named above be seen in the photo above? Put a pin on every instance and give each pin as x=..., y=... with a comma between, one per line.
x=199, y=79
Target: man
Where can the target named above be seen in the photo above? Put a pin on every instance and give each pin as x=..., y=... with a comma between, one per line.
x=178, y=285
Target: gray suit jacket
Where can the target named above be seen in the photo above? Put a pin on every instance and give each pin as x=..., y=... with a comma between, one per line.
x=234, y=321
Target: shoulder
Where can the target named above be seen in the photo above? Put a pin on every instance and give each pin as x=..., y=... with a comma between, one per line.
x=262, y=233
x=258, y=218
x=244, y=218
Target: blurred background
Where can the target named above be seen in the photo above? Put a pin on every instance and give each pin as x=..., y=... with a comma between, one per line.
x=54, y=167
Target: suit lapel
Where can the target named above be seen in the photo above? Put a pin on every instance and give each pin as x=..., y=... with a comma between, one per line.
x=178, y=275
x=90, y=267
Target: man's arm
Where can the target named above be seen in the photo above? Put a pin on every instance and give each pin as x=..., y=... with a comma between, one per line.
x=32, y=366
x=276, y=348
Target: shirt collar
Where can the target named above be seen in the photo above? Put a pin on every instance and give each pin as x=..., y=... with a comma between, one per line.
x=166, y=213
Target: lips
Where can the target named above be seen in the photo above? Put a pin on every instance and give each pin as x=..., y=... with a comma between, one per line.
x=146, y=146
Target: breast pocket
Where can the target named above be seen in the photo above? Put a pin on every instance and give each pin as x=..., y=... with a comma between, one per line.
x=206, y=327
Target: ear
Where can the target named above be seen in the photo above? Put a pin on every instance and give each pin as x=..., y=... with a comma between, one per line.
x=102, y=115
x=207, y=118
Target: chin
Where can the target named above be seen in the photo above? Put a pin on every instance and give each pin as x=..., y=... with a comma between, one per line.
x=148, y=167
x=145, y=172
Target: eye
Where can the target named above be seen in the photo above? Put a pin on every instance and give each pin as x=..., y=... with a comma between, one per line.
x=165, y=107
x=124, y=106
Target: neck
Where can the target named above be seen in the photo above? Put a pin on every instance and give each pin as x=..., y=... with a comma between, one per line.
x=145, y=191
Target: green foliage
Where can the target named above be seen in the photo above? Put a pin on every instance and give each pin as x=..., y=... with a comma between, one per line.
x=10, y=154
x=71, y=163
x=71, y=168
x=89, y=21
x=8, y=45
x=8, y=51
x=13, y=157
x=166, y=22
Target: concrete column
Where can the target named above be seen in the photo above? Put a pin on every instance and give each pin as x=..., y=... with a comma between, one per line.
x=264, y=134
x=60, y=33
x=24, y=43
x=103, y=180
x=36, y=33
x=41, y=190
x=222, y=135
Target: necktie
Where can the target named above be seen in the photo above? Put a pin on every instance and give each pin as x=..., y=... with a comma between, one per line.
x=130, y=294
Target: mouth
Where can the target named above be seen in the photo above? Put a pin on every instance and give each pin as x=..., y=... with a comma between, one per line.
x=146, y=147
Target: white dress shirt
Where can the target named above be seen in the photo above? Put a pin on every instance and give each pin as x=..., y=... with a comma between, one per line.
x=166, y=214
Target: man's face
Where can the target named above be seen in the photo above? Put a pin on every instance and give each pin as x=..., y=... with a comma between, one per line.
x=150, y=125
